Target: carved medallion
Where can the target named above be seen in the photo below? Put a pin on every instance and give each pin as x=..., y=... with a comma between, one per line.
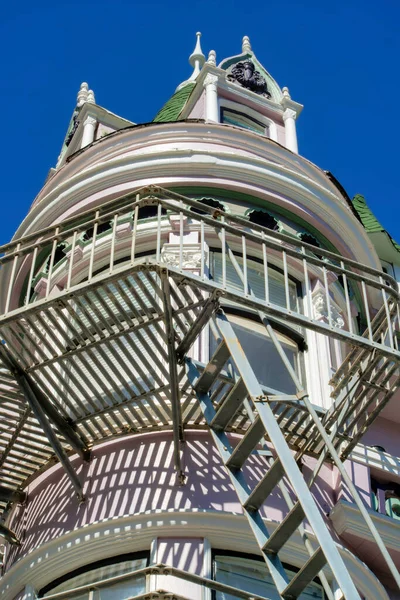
x=248, y=77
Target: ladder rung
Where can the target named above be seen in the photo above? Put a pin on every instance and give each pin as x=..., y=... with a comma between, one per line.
x=213, y=369
x=284, y=530
x=230, y=405
x=248, y=442
x=265, y=486
x=306, y=574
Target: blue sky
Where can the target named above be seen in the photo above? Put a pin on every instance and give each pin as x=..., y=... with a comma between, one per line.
x=338, y=58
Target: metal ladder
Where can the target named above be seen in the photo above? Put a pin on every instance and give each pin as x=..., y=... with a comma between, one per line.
x=246, y=396
x=248, y=393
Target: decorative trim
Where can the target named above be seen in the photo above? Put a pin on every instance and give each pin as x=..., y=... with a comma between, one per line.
x=115, y=536
x=320, y=306
x=210, y=80
x=191, y=256
x=347, y=519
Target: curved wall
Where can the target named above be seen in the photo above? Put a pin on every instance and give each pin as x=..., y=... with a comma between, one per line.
x=199, y=155
x=132, y=497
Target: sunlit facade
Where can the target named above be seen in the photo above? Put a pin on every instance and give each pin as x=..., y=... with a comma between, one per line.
x=199, y=362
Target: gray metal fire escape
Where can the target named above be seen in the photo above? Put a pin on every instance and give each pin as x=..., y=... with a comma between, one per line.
x=98, y=328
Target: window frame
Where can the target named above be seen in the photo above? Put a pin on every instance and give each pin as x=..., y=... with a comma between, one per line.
x=104, y=562
x=249, y=113
x=235, y=554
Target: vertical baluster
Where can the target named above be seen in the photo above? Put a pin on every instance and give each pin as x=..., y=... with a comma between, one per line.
x=328, y=298
x=307, y=283
x=91, y=262
x=71, y=259
x=53, y=253
x=180, y=237
x=223, y=244
x=365, y=298
x=113, y=239
x=346, y=294
x=31, y=275
x=203, y=250
x=388, y=317
x=286, y=279
x=245, y=285
x=265, y=263
x=158, y=250
x=134, y=230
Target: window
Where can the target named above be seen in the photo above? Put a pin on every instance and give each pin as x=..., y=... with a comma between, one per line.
x=263, y=356
x=252, y=576
x=240, y=119
x=98, y=573
x=256, y=280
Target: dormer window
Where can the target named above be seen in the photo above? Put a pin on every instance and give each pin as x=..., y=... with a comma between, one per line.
x=240, y=119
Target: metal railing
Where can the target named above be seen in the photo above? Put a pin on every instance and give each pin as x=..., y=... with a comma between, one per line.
x=342, y=298
x=159, y=569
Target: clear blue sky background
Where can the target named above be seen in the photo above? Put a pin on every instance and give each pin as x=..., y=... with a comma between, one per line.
x=339, y=58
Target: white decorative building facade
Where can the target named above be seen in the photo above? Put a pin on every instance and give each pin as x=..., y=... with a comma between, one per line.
x=199, y=362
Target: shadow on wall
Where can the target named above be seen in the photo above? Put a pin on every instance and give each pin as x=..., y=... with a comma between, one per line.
x=131, y=476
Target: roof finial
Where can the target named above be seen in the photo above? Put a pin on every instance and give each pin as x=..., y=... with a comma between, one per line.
x=212, y=58
x=82, y=94
x=285, y=92
x=197, y=58
x=90, y=97
x=246, y=46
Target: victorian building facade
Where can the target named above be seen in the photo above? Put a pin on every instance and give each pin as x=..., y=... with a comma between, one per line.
x=199, y=362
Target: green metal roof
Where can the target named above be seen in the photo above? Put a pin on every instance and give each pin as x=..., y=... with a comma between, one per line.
x=368, y=219
x=173, y=107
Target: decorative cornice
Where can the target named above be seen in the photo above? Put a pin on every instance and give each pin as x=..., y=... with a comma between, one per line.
x=117, y=536
x=347, y=519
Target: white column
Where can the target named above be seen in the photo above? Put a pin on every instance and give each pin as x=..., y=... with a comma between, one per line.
x=210, y=84
x=289, y=117
x=89, y=127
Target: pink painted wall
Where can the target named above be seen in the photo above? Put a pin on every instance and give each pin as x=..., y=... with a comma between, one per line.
x=198, y=111
x=136, y=474
x=384, y=433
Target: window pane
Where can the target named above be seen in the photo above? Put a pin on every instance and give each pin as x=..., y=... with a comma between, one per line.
x=118, y=591
x=263, y=356
x=252, y=576
x=255, y=278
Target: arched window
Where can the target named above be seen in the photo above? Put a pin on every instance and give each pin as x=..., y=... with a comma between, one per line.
x=251, y=575
x=260, y=351
x=93, y=575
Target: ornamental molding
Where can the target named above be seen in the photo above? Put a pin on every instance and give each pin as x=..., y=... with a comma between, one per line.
x=347, y=519
x=89, y=121
x=111, y=537
x=245, y=74
x=190, y=258
x=320, y=307
x=289, y=114
x=210, y=79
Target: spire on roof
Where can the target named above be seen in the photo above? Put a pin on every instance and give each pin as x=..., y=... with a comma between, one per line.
x=82, y=94
x=197, y=58
x=246, y=46
x=212, y=58
x=90, y=97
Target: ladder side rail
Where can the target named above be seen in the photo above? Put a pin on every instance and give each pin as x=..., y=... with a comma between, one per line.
x=287, y=460
x=263, y=408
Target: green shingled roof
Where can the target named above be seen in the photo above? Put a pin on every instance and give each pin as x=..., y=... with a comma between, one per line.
x=173, y=107
x=368, y=219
